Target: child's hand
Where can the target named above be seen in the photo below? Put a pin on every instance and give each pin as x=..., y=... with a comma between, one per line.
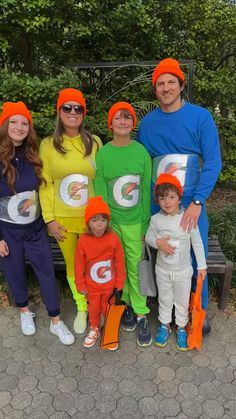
x=164, y=246
x=202, y=272
x=84, y=292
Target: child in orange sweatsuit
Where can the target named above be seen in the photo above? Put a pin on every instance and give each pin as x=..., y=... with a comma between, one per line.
x=99, y=264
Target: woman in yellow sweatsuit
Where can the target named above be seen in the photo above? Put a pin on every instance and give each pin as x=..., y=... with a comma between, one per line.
x=69, y=169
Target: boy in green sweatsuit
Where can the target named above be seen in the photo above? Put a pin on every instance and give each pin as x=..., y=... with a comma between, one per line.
x=123, y=178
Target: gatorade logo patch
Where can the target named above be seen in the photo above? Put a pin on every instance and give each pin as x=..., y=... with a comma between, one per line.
x=23, y=208
x=74, y=190
x=100, y=272
x=126, y=190
x=174, y=164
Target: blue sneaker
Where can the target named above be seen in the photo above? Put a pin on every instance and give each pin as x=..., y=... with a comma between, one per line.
x=144, y=337
x=162, y=335
x=128, y=320
x=182, y=344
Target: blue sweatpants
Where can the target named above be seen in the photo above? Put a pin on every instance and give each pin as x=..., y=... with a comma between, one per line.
x=32, y=242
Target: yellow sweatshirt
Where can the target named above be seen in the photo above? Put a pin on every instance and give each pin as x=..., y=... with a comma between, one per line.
x=69, y=178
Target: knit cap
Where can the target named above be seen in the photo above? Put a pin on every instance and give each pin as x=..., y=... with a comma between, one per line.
x=168, y=65
x=67, y=95
x=96, y=206
x=15, y=108
x=118, y=107
x=168, y=178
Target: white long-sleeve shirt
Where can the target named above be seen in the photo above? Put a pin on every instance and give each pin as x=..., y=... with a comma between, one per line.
x=162, y=225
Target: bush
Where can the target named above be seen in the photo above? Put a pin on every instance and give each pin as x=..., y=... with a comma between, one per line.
x=223, y=224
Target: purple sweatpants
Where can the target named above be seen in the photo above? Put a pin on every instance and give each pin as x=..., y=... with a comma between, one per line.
x=32, y=242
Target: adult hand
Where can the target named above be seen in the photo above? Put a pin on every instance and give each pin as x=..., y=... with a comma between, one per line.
x=202, y=272
x=4, y=250
x=164, y=246
x=56, y=230
x=190, y=217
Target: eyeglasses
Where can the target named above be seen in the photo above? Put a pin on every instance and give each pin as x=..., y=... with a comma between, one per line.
x=77, y=108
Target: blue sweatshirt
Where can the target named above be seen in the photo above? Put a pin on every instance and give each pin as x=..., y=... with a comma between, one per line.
x=189, y=130
x=26, y=180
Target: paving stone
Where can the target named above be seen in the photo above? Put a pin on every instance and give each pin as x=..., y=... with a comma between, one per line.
x=170, y=407
x=36, y=354
x=106, y=404
x=16, y=369
x=213, y=409
x=3, y=365
x=164, y=374
x=126, y=406
x=191, y=408
x=201, y=360
x=86, y=385
x=73, y=354
x=70, y=369
x=51, y=368
x=36, y=414
x=228, y=391
x=21, y=400
x=10, y=413
x=163, y=359
x=147, y=406
x=225, y=375
x=27, y=383
x=35, y=369
x=47, y=384
x=90, y=370
x=9, y=383
x=128, y=387
x=60, y=415
x=146, y=372
x=108, y=371
x=168, y=389
x=146, y=358
x=84, y=402
x=42, y=401
x=230, y=408
x=232, y=360
x=108, y=386
x=67, y=385
x=188, y=390
x=63, y=402
x=128, y=371
x=211, y=391
x=5, y=398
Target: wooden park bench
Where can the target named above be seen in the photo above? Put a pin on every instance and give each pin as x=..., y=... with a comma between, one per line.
x=216, y=262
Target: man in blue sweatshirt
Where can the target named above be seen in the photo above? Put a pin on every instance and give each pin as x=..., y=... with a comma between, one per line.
x=182, y=139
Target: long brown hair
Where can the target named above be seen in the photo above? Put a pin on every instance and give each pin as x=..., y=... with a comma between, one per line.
x=87, y=138
x=7, y=152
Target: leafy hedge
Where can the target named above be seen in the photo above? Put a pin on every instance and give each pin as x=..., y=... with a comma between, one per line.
x=41, y=94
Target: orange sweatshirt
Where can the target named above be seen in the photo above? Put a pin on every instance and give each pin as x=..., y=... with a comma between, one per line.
x=99, y=262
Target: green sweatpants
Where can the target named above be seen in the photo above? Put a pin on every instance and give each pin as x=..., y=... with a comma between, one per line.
x=130, y=236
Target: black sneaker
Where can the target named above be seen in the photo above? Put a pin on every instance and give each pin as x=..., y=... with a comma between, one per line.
x=129, y=320
x=144, y=337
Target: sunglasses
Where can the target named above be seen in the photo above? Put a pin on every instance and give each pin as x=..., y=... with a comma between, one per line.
x=77, y=108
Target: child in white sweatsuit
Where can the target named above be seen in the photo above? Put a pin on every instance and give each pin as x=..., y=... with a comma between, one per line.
x=173, y=264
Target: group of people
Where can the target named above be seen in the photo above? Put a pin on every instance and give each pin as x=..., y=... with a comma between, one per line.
x=96, y=201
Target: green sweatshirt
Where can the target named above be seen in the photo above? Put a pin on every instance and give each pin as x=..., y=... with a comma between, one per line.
x=123, y=178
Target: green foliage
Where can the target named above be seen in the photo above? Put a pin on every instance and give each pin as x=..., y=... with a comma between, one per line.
x=222, y=223
x=44, y=38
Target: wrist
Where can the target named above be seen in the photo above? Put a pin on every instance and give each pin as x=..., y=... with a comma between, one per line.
x=197, y=202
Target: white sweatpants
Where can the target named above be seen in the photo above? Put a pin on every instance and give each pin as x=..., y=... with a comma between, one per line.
x=173, y=290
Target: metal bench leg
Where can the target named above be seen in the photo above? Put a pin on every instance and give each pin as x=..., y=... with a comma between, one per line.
x=224, y=294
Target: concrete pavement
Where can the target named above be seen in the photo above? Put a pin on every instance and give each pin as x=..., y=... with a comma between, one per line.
x=41, y=378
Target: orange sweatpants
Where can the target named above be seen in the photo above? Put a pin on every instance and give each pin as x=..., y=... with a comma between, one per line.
x=97, y=304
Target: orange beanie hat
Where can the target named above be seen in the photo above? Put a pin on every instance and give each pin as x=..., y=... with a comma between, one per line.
x=96, y=206
x=15, y=108
x=167, y=178
x=66, y=95
x=118, y=107
x=169, y=65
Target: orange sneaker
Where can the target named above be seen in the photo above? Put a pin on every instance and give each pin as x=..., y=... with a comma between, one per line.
x=91, y=337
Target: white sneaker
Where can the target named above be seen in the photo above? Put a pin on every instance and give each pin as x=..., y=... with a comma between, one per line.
x=62, y=331
x=27, y=323
x=91, y=337
x=80, y=322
